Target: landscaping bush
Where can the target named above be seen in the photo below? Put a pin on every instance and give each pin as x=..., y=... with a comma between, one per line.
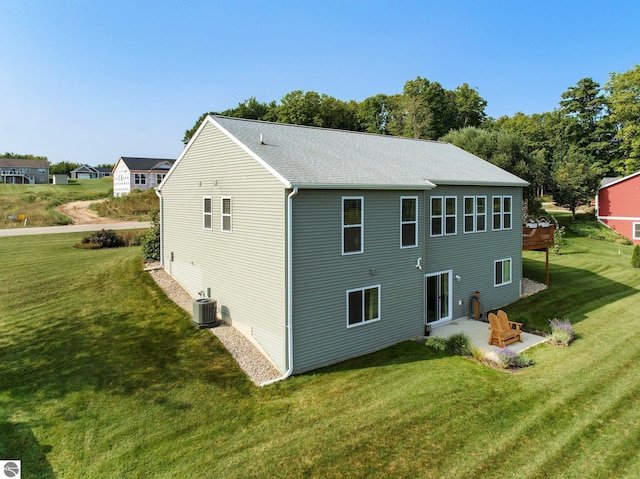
x=509, y=359
x=104, y=239
x=558, y=235
x=562, y=332
x=150, y=240
x=635, y=257
x=436, y=342
x=459, y=344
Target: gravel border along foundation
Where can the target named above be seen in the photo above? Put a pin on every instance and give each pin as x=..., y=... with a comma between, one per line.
x=248, y=357
x=530, y=287
x=253, y=363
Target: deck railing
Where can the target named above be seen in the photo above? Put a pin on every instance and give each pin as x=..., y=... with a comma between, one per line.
x=537, y=238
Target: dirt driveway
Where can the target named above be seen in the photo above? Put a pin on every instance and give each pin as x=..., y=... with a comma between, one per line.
x=80, y=213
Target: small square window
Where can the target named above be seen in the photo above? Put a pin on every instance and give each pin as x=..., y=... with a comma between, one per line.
x=363, y=305
x=502, y=272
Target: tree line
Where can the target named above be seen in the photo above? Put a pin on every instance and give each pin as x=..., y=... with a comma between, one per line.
x=594, y=132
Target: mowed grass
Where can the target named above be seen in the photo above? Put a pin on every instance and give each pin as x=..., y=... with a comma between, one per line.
x=102, y=376
x=37, y=202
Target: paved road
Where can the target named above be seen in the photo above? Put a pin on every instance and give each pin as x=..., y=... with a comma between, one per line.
x=43, y=230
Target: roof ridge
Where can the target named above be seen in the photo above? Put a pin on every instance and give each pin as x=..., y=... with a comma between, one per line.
x=327, y=129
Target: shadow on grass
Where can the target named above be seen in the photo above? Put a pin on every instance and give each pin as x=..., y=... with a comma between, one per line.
x=17, y=441
x=116, y=353
x=401, y=353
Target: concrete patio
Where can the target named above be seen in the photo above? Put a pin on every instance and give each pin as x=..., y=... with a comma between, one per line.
x=478, y=332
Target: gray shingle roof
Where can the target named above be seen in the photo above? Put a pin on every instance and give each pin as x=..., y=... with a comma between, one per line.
x=23, y=163
x=318, y=157
x=146, y=164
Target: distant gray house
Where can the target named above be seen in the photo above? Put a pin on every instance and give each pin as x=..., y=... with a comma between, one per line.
x=320, y=245
x=131, y=173
x=86, y=172
x=24, y=171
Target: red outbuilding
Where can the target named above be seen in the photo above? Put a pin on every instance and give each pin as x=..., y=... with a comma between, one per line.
x=618, y=205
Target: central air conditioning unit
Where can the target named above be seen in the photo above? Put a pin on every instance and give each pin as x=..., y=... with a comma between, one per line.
x=204, y=313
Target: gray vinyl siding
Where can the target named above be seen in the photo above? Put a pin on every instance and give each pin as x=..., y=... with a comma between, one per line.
x=322, y=275
x=245, y=269
x=471, y=256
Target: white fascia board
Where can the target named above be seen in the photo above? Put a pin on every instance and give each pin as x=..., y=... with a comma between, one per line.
x=251, y=153
x=354, y=186
x=113, y=172
x=520, y=184
x=619, y=180
x=184, y=151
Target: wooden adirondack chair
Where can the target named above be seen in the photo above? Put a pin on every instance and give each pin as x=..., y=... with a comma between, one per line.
x=503, y=331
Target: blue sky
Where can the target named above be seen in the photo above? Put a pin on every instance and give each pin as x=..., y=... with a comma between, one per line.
x=89, y=81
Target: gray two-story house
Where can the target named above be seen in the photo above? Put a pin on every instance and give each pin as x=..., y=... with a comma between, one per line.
x=24, y=171
x=320, y=245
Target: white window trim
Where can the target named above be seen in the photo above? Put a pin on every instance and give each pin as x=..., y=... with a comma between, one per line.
x=432, y=216
x=633, y=230
x=415, y=222
x=445, y=216
x=364, y=321
x=495, y=283
x=138, y=177
x=474, y=215
x=205, y=213
x=223, y=214
x=361, y=224
x=502, y=213
x=477, y=214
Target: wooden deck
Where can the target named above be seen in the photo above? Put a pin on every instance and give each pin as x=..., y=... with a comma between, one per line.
x=540, y=238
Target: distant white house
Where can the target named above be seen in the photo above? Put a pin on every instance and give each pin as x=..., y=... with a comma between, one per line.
x=86, y=172
x=139, y=173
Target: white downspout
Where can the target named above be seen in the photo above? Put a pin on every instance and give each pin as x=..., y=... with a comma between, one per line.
x=289, y=289
x=159, y=193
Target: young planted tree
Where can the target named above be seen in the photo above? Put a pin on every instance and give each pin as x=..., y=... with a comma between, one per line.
x=635, y=257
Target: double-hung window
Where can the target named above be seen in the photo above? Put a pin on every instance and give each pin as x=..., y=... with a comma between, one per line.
x=408, y=221
x=352, y=224
x=443, y=215
x=502, y=212
x=502, y=272
x=636, y=231
x=206, y=213
x=225, y=214
x=450, y=215
x=363, y=305
x=436, y=216
x=475, y=214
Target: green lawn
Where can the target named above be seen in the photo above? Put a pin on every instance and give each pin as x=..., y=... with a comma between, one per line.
x=38, y=202
x=102, y=376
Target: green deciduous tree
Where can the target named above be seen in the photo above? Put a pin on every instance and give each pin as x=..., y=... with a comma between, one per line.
x=63, y=168
x=16, y=156
x=624, y=102
x=506, y=150
x=575, y=180
x=469, y=106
